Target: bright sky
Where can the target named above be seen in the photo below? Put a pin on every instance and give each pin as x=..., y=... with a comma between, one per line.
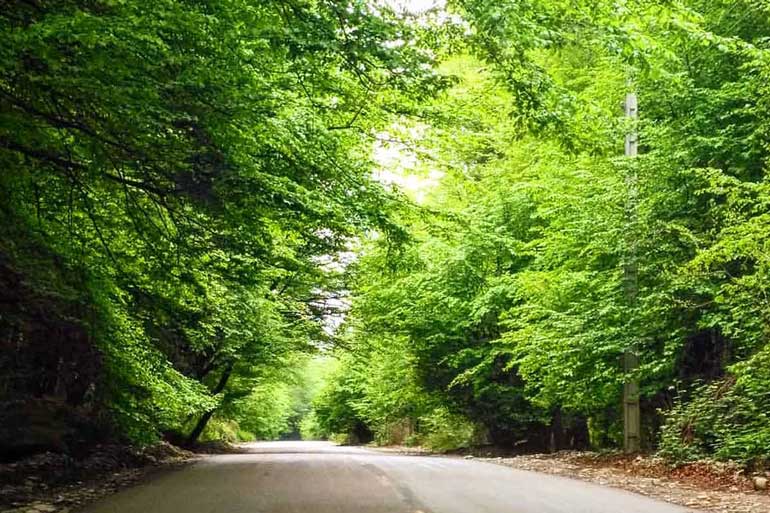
x=415, y=6
x=397, y=164
x=400, y=166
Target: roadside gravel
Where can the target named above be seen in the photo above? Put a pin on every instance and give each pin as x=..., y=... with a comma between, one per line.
x=55, y=483
x=705, y=486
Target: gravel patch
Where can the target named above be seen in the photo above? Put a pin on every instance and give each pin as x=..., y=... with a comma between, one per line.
x=57, y=483
x=705, y=486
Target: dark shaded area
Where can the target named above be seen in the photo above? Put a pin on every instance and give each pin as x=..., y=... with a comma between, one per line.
x=704, y=356
x=70, y=482
x=50, y=367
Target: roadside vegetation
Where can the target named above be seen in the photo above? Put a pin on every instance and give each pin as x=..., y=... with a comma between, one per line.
x=178, y=178
x=503, y=318
x=254, y=220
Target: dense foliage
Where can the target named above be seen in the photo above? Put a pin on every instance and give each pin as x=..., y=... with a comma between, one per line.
x=173, y=174
x=510, y=306
x=195, y=194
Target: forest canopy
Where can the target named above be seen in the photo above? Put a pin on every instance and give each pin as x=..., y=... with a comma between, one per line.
x=226, y=218
x=174, y=171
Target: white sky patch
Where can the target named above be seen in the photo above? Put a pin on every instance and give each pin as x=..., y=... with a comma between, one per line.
x=335, y=303
x=415, y=6
x=399, y=165
x=336, y=306
x=423, y=10
x=413, y=185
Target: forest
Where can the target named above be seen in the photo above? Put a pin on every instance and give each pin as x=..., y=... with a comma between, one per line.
x=350, y=220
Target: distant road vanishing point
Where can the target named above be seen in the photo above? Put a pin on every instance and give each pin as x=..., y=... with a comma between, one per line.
x=318, y=477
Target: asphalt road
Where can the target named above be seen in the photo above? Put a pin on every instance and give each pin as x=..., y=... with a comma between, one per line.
x=316, y=477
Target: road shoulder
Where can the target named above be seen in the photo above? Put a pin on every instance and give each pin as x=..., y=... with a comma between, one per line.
x=57, y=483
x=705, y=486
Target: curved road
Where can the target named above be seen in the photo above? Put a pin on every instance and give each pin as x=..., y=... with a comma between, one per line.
x=316, y=477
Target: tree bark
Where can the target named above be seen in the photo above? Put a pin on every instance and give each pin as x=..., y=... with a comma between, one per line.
x=557, y=431
x=206, y=417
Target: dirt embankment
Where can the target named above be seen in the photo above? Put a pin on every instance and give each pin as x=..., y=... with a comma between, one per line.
x=704, y=486
x=59, y=483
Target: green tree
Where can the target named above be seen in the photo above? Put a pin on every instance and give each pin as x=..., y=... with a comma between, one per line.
x=193, y=161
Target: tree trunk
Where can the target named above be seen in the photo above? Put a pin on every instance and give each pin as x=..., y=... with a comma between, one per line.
x=206, y=417
x=557, y=431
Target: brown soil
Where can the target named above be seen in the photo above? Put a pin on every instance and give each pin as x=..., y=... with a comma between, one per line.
x=705, y=486
x=58, y=483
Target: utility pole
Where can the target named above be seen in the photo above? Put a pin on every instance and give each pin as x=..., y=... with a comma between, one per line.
x=631, y=412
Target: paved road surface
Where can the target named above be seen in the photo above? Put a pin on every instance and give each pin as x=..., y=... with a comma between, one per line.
x=316, y=477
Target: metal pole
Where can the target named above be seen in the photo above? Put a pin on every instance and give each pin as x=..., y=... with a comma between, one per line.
x=631, y=412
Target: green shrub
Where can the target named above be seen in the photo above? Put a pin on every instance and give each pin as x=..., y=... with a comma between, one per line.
x=726, y=419
x=224, y=430
x=310, y=429
x=445, y=431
